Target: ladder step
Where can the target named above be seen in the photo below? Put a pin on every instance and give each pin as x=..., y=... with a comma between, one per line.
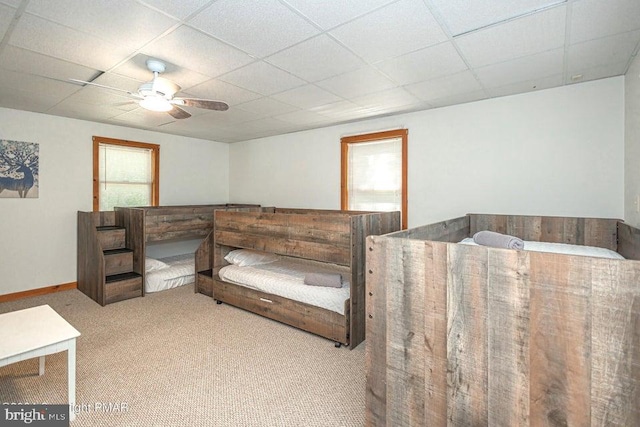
x=122, y=276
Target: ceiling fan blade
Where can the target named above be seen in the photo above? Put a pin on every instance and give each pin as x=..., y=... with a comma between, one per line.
x=84, y=83
x=202, y=103
x=178, y=113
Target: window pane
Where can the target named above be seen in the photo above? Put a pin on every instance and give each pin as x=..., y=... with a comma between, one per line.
x=113, y=195
x=125, y=164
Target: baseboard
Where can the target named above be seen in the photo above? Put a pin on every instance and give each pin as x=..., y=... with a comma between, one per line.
x=39, y=291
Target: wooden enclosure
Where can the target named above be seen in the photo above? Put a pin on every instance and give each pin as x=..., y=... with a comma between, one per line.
x=461, y=335
x=336, y=237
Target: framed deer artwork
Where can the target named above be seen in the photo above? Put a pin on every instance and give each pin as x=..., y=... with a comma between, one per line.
x=19, y=169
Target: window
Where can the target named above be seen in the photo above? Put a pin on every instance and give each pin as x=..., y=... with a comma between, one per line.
x=374, y=172
x=125, y=173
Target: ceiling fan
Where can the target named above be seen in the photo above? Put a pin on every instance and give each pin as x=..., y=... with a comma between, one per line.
x=158, y=94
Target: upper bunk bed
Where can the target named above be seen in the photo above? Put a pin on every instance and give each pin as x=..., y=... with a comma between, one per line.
x=308, y=241
x=478, y=335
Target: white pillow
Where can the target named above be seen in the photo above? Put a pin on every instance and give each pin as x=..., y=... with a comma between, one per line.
x=151, y=264
x=247, y=257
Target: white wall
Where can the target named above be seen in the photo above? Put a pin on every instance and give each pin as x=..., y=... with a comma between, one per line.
x=38, y=236
x=632, y=144
x=553, y=152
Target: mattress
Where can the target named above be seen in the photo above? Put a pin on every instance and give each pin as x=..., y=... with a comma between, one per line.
x=285, y=278
x=180, y=271
x=562, y=248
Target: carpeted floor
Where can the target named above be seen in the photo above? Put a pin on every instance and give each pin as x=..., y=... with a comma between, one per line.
x=175, y=358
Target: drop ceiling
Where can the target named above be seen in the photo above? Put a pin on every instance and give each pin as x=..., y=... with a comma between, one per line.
x=290, y=65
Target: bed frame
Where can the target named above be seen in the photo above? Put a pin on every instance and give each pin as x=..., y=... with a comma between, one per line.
x=128, y=230
x=322, y=235
x=478, y=336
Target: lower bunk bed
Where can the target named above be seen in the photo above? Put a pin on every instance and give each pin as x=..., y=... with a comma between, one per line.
x=326, y=249
x=462, y=334
x=169, y=272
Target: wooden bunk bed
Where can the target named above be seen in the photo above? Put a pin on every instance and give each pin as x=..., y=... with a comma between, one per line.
x=474, y=335
x=336, y=237
x=112, y=245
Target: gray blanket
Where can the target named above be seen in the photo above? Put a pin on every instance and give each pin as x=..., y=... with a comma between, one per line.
x=497, y=240
x=333, y=280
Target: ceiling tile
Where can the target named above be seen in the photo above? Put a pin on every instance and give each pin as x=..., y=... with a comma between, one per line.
x=592, y=19
x=266, y=107
x=262, y=78
x=307, y=96
x=36, y=84
x=357, y=83
x=521, y=37
x=342, y=110
x=6, y=16
x=600, y=72
x=52, y=39
x=396, y=97
x=523, y=69
x=106, y=19
x=330, y=13
x=178, y=9
x=221, y=91
x=302, y=117
x=608, y=50
x=377, y=36
x=12, y=3
x=25, y=61
x=461, y=98
x=79, y=110
x=189, y=48
x=445, y=87
x=316, y=59
x=527, y=86
x=11, y=97
x=250, y=25
x=463, y=16
x=424, y=64
x=136, y=68
x=143, y=118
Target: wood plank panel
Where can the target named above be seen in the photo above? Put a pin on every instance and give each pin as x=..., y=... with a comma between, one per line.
x=405, y=337
x=283, y=246
x=560, y=345
x=377, y=259
x=453, y=230
x=436, y=274
x=467, y=338
x=339, y=223
x=508, y=334
x=615, y=341
x=628, y=241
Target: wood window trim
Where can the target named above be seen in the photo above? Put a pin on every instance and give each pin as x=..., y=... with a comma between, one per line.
x=370, y=137
x=155, y=166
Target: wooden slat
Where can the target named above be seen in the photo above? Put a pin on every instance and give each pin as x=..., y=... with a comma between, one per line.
x=339, y=223
x=508, y=333
x=467, y=339
x=406, y=339
x=296, y=248
x=560, y=347
x=615, y=340
x=583, y=231
x=376, y=329
x=435, y=329
x=628, y=241
x=453, y=230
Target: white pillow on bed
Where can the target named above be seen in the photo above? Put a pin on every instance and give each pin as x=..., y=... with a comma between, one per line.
x=247, y=257
x=151, y=264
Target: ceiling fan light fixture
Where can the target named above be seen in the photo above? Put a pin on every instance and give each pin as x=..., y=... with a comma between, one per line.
x=156, y=103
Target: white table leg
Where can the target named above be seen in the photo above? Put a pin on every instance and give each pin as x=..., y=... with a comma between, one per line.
x=71, y=370
x=41, y=368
